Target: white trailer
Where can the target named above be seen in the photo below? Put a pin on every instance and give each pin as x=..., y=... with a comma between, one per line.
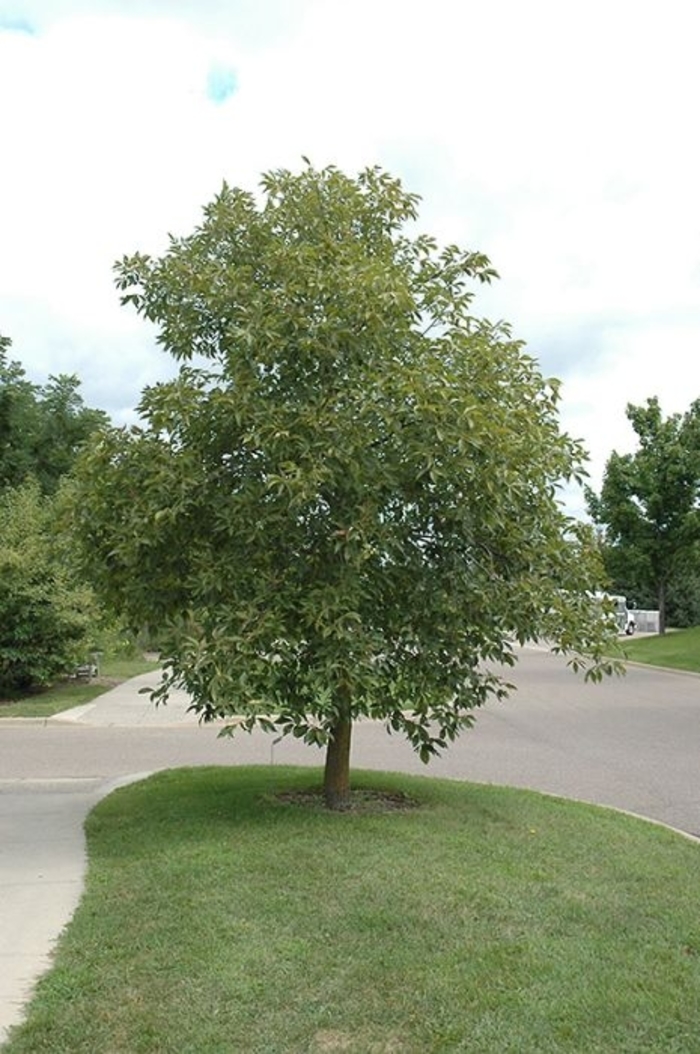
x=625, y=619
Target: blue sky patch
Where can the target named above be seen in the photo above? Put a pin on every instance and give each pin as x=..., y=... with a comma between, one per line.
x=16, y=24
x=222, y=83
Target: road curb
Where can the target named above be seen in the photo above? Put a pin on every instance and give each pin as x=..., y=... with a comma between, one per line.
x=23, y=721
x=610, y=808
x=660, y=669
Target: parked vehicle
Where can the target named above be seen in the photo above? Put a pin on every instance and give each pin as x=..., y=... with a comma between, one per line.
x=626, y=622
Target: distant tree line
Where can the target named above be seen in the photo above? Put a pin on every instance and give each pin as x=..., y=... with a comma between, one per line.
x=48, y=613
x=42, y=427
x=649, y=515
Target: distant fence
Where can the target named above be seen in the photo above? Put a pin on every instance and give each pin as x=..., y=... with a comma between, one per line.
x=647, y=621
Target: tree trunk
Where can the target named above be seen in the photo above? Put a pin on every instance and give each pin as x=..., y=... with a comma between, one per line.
x=662, y=605
x=336, y=777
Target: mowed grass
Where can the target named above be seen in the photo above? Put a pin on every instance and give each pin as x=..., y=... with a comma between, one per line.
x=219, y=918
x=678, y=649
x=67, y=694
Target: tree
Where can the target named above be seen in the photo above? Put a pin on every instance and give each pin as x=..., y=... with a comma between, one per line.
x=45, y=613
x=648, y=502
x=683, y=597
x=345, y=505
x=45, y=610
x=18, y=420
x=42, y=427
x=66, y=425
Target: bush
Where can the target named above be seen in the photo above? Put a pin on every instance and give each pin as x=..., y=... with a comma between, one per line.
x=45, y=611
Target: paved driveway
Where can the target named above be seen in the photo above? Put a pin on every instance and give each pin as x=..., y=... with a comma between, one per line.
x=632, y=742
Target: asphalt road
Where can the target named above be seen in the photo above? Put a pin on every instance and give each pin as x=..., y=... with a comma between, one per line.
x=632, y=743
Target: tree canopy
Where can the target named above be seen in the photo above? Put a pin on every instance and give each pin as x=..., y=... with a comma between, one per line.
x=42, y=427
x=648, y=504
x=346, y=502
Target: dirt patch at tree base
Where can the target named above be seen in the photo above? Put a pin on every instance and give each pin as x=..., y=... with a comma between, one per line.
x=361, y=801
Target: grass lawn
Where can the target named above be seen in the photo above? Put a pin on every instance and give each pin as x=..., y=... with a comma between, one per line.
x=219, y=918
x=679, y=650
x=72, y=693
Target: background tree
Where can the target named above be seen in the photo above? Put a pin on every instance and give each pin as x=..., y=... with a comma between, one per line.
x=42, y=427
x=18, y=420
x=648, y=503
x=46, y=614
x=683, y=597
x=46, y=610
x=629, y=574
x=345, y=505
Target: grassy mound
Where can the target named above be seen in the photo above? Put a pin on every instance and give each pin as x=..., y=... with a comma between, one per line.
x=227, y=911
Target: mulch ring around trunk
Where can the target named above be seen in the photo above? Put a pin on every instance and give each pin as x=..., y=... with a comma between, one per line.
x=361, y=801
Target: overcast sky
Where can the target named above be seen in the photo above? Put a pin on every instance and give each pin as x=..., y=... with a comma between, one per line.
x=558, y=138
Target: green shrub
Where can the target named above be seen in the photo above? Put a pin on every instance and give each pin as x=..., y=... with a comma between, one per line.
x=46, y=613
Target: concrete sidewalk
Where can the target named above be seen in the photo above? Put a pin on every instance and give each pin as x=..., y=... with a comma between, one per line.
x=129, y=706
x=42, y=870
x=42, y=846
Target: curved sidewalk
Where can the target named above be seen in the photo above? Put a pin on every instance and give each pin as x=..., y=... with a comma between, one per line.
x=42, y=868
x=42, y=845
